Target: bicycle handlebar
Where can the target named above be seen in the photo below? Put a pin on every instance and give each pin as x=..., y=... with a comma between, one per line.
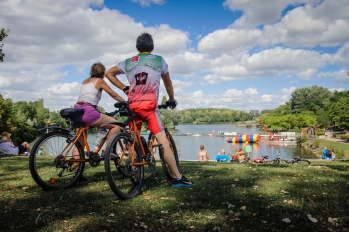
x=111, y=114
x=123, y=106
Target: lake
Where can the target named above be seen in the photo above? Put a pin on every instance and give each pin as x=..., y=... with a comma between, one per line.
x=188, y=146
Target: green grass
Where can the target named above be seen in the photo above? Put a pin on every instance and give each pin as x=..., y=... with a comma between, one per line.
x=341, y=148
x=226, y=197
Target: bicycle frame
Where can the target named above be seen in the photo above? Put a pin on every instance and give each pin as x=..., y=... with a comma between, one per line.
x=135, y=133
x=81, y=131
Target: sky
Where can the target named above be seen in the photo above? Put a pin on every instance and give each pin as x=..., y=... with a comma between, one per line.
x=236, y=54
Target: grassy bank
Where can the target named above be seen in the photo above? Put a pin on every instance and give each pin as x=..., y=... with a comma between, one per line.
x=226, y=197
x=339, y=147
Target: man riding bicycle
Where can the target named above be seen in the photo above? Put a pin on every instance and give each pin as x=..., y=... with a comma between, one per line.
x=144, y=72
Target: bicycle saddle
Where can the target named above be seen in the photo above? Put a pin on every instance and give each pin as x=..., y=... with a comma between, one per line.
x=71, y=113
x=124, y=110
x=72, y=116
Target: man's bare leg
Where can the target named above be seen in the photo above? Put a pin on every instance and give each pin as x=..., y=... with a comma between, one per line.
x=168, y=154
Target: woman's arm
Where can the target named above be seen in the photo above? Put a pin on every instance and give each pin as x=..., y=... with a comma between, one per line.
x=101, y=84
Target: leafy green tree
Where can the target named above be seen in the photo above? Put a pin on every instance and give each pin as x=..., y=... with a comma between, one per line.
x=163, y=100
x=8, y=122
x=311, y=98
x=57, y=120
x=339, y=112
x=3, y=34
x=323, y=118
x=42, y=113
x=281, y=110
x=20, y=130
x=25, y=112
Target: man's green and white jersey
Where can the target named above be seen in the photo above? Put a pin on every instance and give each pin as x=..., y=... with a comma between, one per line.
x=144, y=74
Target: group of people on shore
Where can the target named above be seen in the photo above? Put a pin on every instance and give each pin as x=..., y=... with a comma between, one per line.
x=237, y=157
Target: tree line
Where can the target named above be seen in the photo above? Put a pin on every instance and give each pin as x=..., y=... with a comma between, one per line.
x=310, y=106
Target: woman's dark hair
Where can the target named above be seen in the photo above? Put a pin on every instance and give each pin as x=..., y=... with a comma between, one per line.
x=97, y=70
x=145, y=42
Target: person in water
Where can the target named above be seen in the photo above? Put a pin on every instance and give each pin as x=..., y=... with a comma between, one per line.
x=203, y=154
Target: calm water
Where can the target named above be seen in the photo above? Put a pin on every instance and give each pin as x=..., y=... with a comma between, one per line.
x=188, y=146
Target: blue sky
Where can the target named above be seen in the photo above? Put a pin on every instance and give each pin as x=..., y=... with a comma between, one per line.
x=232, y=54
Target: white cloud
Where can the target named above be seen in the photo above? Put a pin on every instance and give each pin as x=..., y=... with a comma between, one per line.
x=251, y=91
x=228, y=41
x=257, y=12
x=286, y=91
x=148, y=2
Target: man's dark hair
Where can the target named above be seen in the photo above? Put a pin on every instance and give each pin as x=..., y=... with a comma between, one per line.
x=145, y=42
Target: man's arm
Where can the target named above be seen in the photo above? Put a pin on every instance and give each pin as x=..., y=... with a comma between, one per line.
x=111, y=75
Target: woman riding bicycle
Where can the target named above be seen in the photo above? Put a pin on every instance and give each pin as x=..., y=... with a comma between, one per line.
x=89, y=97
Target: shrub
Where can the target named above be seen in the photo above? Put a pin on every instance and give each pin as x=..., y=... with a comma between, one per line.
x=339, y=154
x=302, y=139
x=317, y=143
x=344, y=137
x=319, y=132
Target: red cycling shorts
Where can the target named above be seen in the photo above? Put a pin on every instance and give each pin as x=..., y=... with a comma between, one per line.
x=147, y=111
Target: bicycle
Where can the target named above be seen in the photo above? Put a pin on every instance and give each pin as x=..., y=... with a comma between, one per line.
x=263, y=159
x=126, y=174
x=299, y=160
x=279, y=159
x=54, y=168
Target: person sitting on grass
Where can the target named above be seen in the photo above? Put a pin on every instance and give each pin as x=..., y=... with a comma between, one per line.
x=222, y=157
x=8, y=148
x=238, y=156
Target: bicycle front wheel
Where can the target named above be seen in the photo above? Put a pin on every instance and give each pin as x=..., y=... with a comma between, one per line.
x=124, y=178
x=173, y=147
x=50, y=161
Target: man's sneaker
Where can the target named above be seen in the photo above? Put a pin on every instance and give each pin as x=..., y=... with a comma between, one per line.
x=183, y=182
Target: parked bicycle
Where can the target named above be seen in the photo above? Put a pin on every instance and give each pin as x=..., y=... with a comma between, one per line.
x=299, y=160
x=263, y=159
x=125, y=171
x=55, y=167
x=279, y=159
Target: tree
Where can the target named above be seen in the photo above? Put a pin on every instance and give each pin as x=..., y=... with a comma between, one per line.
x=3, y=35
x=310, y=98
x=20, y=130
x=339, y=112
x=42, y=113
x=163, y=100
x=7, y=121
x=57, y=120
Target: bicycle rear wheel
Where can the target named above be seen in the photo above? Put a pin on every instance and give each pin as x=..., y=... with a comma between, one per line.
x=302, y=161
x=47, y=164
x=173, y=147
x=124, y=179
